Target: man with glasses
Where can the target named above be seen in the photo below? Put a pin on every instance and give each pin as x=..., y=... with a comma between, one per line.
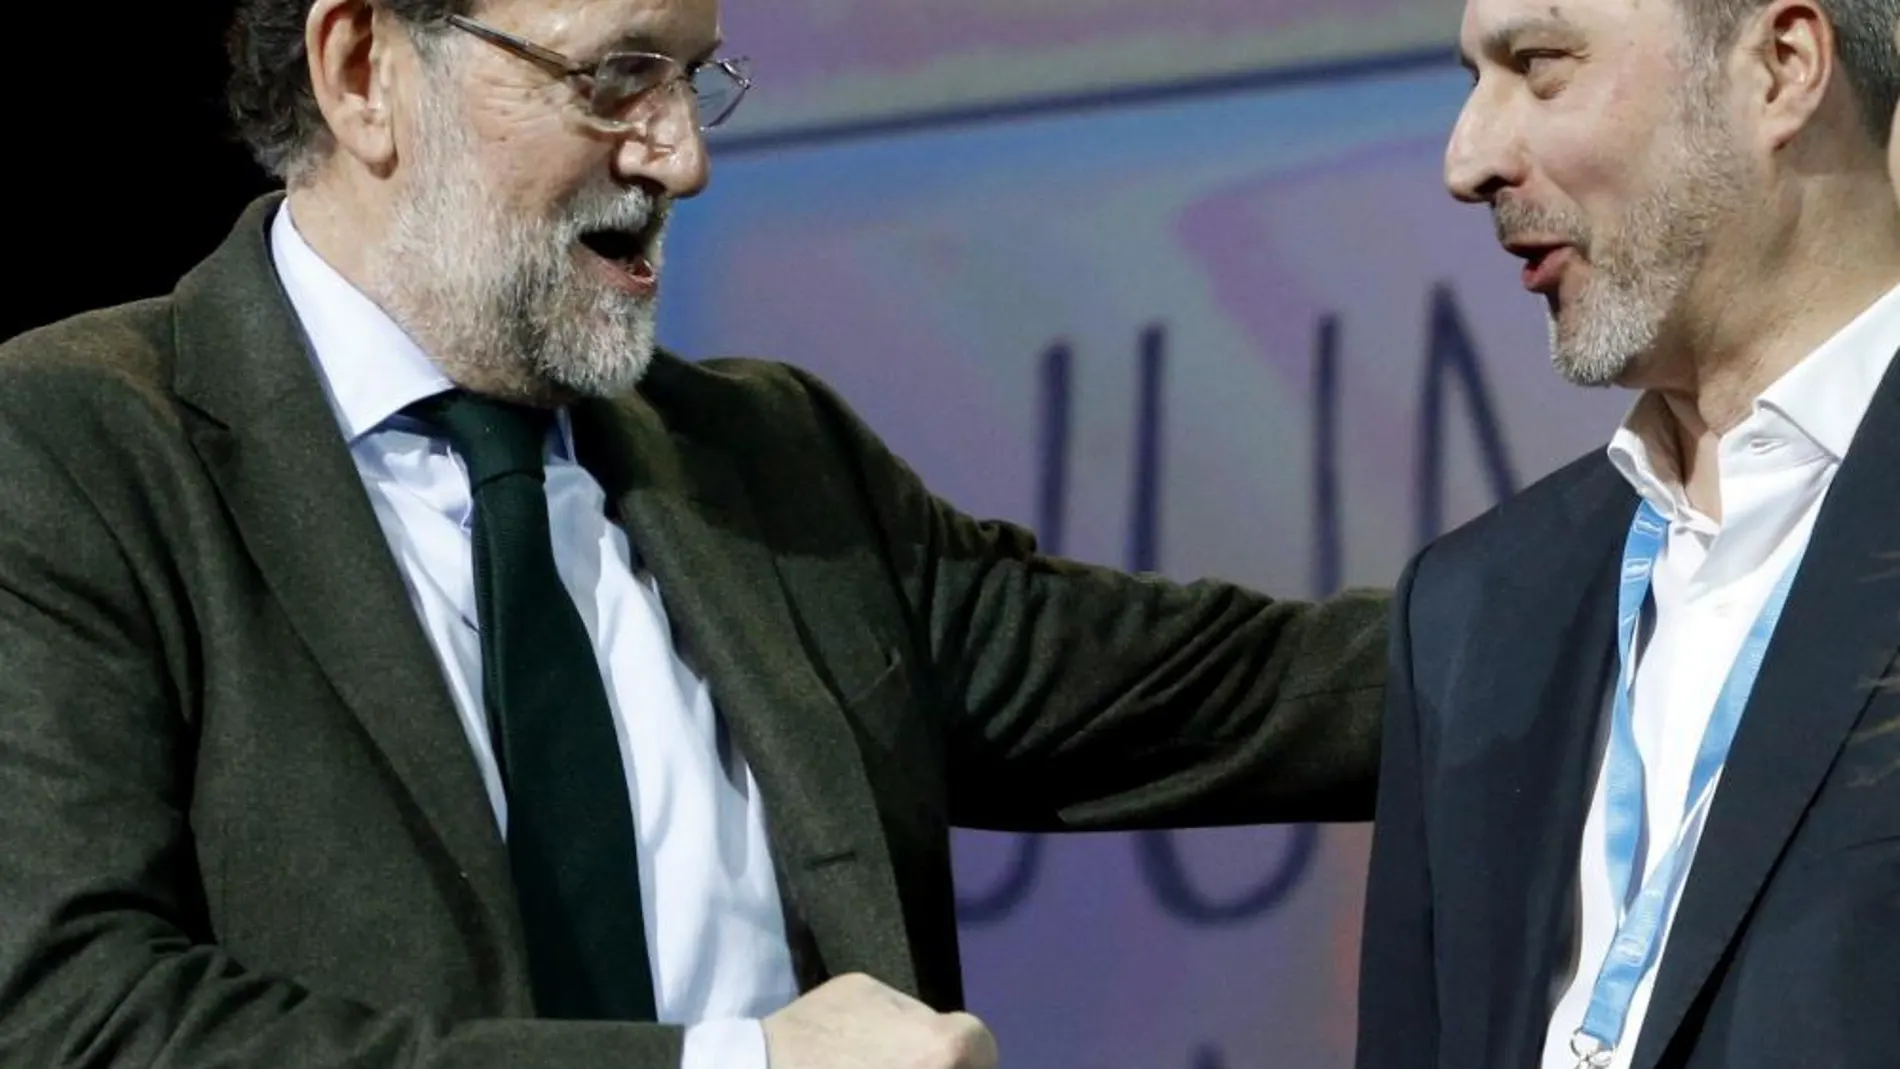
x=404, y=663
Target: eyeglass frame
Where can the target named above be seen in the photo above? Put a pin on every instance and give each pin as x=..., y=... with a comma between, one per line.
x=586, y=74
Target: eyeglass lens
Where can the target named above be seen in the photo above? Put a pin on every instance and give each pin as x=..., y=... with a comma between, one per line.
x=622, y=80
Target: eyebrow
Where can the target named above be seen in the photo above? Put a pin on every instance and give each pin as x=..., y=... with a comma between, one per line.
x=638, y=41
x=1500, y=39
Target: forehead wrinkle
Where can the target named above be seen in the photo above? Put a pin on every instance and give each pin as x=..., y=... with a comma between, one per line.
x=663, y=27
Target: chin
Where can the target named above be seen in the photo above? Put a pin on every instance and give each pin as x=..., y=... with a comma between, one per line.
x=1643, y=371
x=1582, y=364
x=1604, y=342
x=604, y=372
x=1588, y=378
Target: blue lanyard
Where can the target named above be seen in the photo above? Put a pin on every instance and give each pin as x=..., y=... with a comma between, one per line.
x=1641, y=912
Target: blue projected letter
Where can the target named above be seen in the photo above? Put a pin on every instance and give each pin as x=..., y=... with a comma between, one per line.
x=1451, y=353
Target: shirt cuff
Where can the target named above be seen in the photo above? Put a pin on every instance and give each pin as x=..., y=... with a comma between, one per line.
x=729, y=1044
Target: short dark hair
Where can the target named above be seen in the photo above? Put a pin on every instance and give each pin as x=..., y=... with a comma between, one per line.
x=1863, y=43
x=269, y=91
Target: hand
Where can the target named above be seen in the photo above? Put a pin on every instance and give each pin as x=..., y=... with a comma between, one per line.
x=855, y=1022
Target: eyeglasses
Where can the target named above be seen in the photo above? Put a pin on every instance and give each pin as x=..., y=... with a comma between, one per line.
x=620, y=82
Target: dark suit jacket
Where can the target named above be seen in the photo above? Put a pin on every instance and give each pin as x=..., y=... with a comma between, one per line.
x=239, y=823
x=1785, y=951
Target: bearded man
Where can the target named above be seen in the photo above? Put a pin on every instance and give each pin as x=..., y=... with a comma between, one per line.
x=1640, y=801
x=403, y=663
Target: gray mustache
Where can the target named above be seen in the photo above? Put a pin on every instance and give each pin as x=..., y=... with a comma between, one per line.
x=1512, y=219
x=630, y=214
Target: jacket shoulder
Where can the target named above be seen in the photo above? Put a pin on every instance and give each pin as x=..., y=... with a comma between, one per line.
x=91, y=362
x=765, y=405
x=1540, y=511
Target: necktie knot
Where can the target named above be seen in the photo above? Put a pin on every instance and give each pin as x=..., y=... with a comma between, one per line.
x=495, y=438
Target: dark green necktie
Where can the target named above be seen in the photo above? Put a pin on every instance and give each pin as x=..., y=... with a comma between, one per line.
x=570, y=825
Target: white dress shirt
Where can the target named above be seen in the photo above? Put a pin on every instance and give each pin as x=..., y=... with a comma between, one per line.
x=1710, y=583
x=715, y=930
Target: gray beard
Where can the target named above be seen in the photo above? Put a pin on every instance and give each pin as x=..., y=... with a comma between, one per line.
x=498, y=300
x=1646, y=265
x=1640, y=279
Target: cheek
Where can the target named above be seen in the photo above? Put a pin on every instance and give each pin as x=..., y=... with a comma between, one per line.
x=1584, y=184
x=1600, y=166
x=534, y=157
x=537, y=177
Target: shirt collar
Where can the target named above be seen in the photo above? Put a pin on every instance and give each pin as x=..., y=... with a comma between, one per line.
x=1823, y=399
x=1643, y=451
x=370, y=368
x=1827, y=395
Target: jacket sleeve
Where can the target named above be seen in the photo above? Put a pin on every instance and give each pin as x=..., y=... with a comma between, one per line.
x=1077, y=697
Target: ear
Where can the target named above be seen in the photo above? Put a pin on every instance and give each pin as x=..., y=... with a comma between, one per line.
x=1791, y=56
x=352, y=68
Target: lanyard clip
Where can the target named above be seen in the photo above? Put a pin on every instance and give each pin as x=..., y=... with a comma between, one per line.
x=1591, y=1052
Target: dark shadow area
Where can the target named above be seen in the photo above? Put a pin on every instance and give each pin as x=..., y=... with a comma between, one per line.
x=120, y=170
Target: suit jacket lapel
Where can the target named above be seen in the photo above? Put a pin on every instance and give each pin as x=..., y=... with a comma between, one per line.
x=273, y=447
x=1533, y=790
x=1837, y=635
x=687, y=513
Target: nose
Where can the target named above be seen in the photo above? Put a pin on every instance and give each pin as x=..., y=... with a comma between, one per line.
x=1484, y=156
x=668, y=149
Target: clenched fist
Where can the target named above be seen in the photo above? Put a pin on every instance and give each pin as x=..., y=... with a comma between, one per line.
x=855, y=1022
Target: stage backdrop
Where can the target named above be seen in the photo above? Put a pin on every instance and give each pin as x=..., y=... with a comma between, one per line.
x=1229, y=327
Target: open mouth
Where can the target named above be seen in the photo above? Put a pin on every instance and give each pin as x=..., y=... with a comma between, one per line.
x=625, y=257
x=1543, y=265
x=620, y=246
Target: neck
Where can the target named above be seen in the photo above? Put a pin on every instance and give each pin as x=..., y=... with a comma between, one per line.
x=1696, y=447
x=1750, y=350
x=1804, y=285
x=335, y=224
x=1718, y=387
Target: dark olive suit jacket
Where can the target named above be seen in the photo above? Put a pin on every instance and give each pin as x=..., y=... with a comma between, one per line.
x=240, y=824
